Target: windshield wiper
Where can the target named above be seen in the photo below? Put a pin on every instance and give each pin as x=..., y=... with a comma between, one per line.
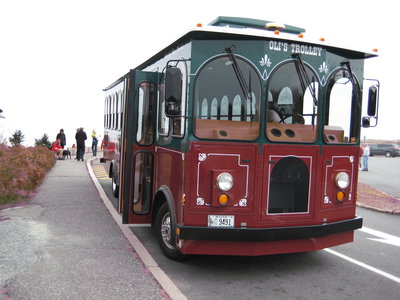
x=245, y=89
x=304, y=80
x=351, y=75
x=353, y=82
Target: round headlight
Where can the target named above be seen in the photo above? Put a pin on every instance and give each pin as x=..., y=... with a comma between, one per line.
x=224, y=181
x=342, y=180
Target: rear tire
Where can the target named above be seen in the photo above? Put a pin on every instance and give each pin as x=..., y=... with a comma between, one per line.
x=165, y=231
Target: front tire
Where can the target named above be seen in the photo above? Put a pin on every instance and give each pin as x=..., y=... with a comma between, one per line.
x=388, y=154
x=165, y=231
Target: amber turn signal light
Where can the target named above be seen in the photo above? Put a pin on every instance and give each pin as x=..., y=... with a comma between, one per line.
x=223, y=199
x=340, y=196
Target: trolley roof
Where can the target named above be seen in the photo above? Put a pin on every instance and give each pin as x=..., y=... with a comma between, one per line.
x=246, y=28
x=271, y=30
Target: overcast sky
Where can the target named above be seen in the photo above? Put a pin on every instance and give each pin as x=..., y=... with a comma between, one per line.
x=57, y=56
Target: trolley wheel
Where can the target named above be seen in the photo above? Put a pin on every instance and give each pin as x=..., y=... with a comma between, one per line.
x=115, y=186
x=165, y=233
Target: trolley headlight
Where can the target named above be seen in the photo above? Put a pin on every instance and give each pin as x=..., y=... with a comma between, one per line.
x=342, y=180
x=224, y=181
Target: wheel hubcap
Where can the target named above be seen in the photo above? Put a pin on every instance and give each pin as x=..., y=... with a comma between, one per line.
x=114, y=185
x=166, y=230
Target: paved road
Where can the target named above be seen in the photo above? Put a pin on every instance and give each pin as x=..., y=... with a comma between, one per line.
x=383, y=174
x=364, y=269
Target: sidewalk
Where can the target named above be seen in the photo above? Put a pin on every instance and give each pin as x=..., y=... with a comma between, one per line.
x=64, y=244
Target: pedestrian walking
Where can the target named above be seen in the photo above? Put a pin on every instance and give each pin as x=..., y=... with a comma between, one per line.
x=80, y=137
x=366, y=153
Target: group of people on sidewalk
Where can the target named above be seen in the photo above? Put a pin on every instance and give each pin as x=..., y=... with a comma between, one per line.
x=58, y=146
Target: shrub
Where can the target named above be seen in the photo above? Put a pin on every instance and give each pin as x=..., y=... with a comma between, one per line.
x=22, y=170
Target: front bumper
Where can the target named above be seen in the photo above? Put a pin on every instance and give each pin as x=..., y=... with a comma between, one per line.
x=268, y=234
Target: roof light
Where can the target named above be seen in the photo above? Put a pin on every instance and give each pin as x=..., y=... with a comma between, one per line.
x=322, y=39
x=375, y=50
x=277, y=32
x=300, y=35
x=199, y=25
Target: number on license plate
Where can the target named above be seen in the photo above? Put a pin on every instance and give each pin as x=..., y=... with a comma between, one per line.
x=221, y=221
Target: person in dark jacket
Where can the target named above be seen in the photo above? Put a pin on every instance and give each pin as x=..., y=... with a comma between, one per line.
x=80, y=137
x=62, y=138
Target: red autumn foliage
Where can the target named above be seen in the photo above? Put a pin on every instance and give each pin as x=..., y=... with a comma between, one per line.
x=22, y=170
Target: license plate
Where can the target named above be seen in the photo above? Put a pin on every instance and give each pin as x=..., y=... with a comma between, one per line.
x=221, y=221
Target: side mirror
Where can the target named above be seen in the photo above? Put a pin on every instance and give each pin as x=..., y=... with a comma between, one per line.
x=173, y=91
x=371, y=120
x=372, y=100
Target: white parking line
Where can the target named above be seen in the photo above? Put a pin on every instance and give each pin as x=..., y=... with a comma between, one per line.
x=383, y=237
x=361, y=264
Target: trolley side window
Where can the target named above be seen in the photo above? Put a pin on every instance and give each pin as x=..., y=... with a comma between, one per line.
x=227, y=100
x=163, y=120
x=144, y=133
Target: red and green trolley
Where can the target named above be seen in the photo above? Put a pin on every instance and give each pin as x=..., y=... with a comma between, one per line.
x=240, y=138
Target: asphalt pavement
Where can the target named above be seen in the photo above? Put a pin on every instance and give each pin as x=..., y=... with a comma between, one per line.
x=64, y=244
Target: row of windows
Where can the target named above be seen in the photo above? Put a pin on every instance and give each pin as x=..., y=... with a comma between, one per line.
x=147, y=99
x=113, y=114
x=224, y=111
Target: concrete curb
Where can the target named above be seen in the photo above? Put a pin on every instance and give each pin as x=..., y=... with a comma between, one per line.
x=165, y=282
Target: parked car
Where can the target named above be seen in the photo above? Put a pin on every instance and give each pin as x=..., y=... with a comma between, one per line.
x=389, y=150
